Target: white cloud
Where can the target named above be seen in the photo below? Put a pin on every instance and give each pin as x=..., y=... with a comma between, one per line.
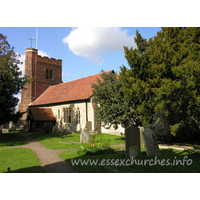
x=90, y=42
x=22, y=64
x=65, y=74
x=42, y=53
x=22, y=61
x=19, y=97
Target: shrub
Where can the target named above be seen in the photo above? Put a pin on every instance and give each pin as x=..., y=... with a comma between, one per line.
x=92, y=138
x=47, y=128
x=95, y=149
x=184, y=131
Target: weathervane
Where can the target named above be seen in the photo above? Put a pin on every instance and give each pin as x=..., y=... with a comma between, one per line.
x=31, y=38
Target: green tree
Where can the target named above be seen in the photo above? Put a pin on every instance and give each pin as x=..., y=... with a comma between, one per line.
x=10, y=82
x=112, y=108
x=164, y=73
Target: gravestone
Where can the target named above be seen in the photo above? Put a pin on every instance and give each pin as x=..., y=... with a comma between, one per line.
x=142, y=145
x=88, y=125
x=132, y=138
x=150, y=142
x=5, y=130
x=133, y=152
x=85, y=136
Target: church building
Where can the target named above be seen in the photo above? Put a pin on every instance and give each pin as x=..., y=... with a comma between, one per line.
x=67, y=105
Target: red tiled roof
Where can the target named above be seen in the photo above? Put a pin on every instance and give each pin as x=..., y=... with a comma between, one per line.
x=79, y=89
x=42, y=114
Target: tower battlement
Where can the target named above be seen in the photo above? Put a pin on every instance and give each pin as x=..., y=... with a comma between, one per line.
x=46, y=59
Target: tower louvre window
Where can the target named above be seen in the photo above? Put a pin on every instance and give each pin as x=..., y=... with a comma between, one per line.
x=51, y=74
x=47, y=73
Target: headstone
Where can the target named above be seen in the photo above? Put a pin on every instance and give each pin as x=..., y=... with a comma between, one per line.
x=150, y=142
x=133, y=152
x=85, y=136
x=88, y=125
x=132, y=138
x=5, y=130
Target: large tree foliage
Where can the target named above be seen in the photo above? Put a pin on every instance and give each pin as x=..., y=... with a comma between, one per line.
x=10, y=82
x=164, y=73
x=112, y=108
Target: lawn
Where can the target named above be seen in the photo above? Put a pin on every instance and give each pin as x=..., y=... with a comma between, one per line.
x=112, y=161
x=11, y=139
x=20, y=160
x=170, y=161
x=72, y=141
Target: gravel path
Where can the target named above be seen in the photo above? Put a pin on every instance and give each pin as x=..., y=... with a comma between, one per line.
x=49, y=159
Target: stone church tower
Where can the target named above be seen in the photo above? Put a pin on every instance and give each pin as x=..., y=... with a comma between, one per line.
x=45, y=72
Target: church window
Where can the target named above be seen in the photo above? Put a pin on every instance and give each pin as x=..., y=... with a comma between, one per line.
x=58, y=114
x=65, y=115
x=68, y=115
x=47, y=73
x=78, y=116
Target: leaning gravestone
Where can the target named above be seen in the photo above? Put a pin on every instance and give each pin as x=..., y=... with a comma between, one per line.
x=85, y=136
x=150, y=142
x=132, y=138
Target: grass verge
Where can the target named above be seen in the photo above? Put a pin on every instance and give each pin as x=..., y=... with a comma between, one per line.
x=20, y=160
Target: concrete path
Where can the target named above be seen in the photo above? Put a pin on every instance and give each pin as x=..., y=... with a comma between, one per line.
x=49, y=159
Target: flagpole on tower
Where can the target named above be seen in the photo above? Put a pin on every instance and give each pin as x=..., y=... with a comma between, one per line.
x=36, y=37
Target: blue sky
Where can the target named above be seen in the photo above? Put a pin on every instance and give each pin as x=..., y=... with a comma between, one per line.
x=84, y=51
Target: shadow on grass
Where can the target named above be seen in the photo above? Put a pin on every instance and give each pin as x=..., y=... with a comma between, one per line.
x=121, y=138
x=42, y=136
x=59, y=167
x=35, y=169
x=11, y=139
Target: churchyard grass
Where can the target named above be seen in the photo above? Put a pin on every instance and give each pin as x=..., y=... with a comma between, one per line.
x=20, y=160
x=72, y=141
x=11, y=139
